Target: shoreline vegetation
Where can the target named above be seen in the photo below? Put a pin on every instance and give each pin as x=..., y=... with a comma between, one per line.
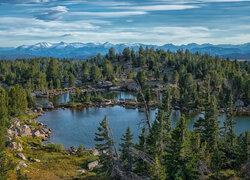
x=161, y=79
x=129, y=103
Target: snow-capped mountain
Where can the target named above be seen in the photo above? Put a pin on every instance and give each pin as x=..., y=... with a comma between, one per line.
x=78, y=50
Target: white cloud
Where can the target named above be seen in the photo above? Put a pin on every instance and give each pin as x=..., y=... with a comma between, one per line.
x=159, y=7
x=110, y=14
x=53, y=13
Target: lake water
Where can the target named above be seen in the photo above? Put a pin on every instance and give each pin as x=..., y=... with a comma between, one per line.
x=74, y=127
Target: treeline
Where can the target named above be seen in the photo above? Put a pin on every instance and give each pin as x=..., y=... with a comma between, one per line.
x=185, y=72
x=175, y=153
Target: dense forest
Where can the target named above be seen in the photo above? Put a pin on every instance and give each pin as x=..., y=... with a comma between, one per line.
x=188, y=81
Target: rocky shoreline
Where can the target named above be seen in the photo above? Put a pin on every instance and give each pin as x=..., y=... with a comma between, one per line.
x=25, y=128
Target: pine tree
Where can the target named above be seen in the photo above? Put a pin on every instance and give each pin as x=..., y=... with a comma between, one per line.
x=208, y=127
x=229, y=134
x=179, y=160
x=105, y=144
x=159, y=134
x=157, y=171
x=80, y=151
x=141, y=166
x=126, y=150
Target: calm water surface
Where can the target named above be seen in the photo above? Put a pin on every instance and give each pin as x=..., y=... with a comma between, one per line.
x=74, y=127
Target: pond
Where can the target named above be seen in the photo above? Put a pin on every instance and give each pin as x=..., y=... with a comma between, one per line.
x=74, y=127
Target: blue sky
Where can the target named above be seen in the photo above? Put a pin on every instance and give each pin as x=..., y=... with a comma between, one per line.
x=124, y=21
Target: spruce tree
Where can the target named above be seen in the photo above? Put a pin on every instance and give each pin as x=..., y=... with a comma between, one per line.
x=179, y=160
x=157, y=171
x=126, y=150
x=105, y=144
x=141, y=166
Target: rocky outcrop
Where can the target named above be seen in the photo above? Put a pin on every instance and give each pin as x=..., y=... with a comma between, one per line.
x=30, y=128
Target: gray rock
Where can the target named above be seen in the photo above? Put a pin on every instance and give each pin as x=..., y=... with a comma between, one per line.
x=95, y=152
x=26, y=131
x=82, y=171
x=21, y=164
x=38, y=133
x=21, y=156
x=48, y=105
x=13, y=146
x=33, y=160
x=92, y=165
x=72, y=150
x=239, y=103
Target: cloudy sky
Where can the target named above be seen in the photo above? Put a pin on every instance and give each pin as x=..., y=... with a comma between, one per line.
x=124, y=21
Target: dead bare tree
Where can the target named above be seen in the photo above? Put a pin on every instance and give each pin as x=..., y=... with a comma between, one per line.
x=144, y=103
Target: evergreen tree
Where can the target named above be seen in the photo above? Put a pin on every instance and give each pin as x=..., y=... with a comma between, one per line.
x=180, y=161
x=157, y=171
x=53, y=72
x=141, y=166
x=95, y=74
x=165, y=78
x=105, y=144
x=126, y=150
x=80, y=151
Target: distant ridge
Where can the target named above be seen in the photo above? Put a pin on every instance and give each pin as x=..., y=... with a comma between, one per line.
x=79, y=50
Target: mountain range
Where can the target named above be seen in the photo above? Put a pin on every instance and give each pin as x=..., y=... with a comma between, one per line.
x=86, y=50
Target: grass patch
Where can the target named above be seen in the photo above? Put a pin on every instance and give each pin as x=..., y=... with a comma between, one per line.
x=55, y=165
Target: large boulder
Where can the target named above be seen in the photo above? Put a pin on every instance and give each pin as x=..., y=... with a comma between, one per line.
x=38, y=133
x=14, y=146
x=92, y=165
x=21, y=156
x=26, y=131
